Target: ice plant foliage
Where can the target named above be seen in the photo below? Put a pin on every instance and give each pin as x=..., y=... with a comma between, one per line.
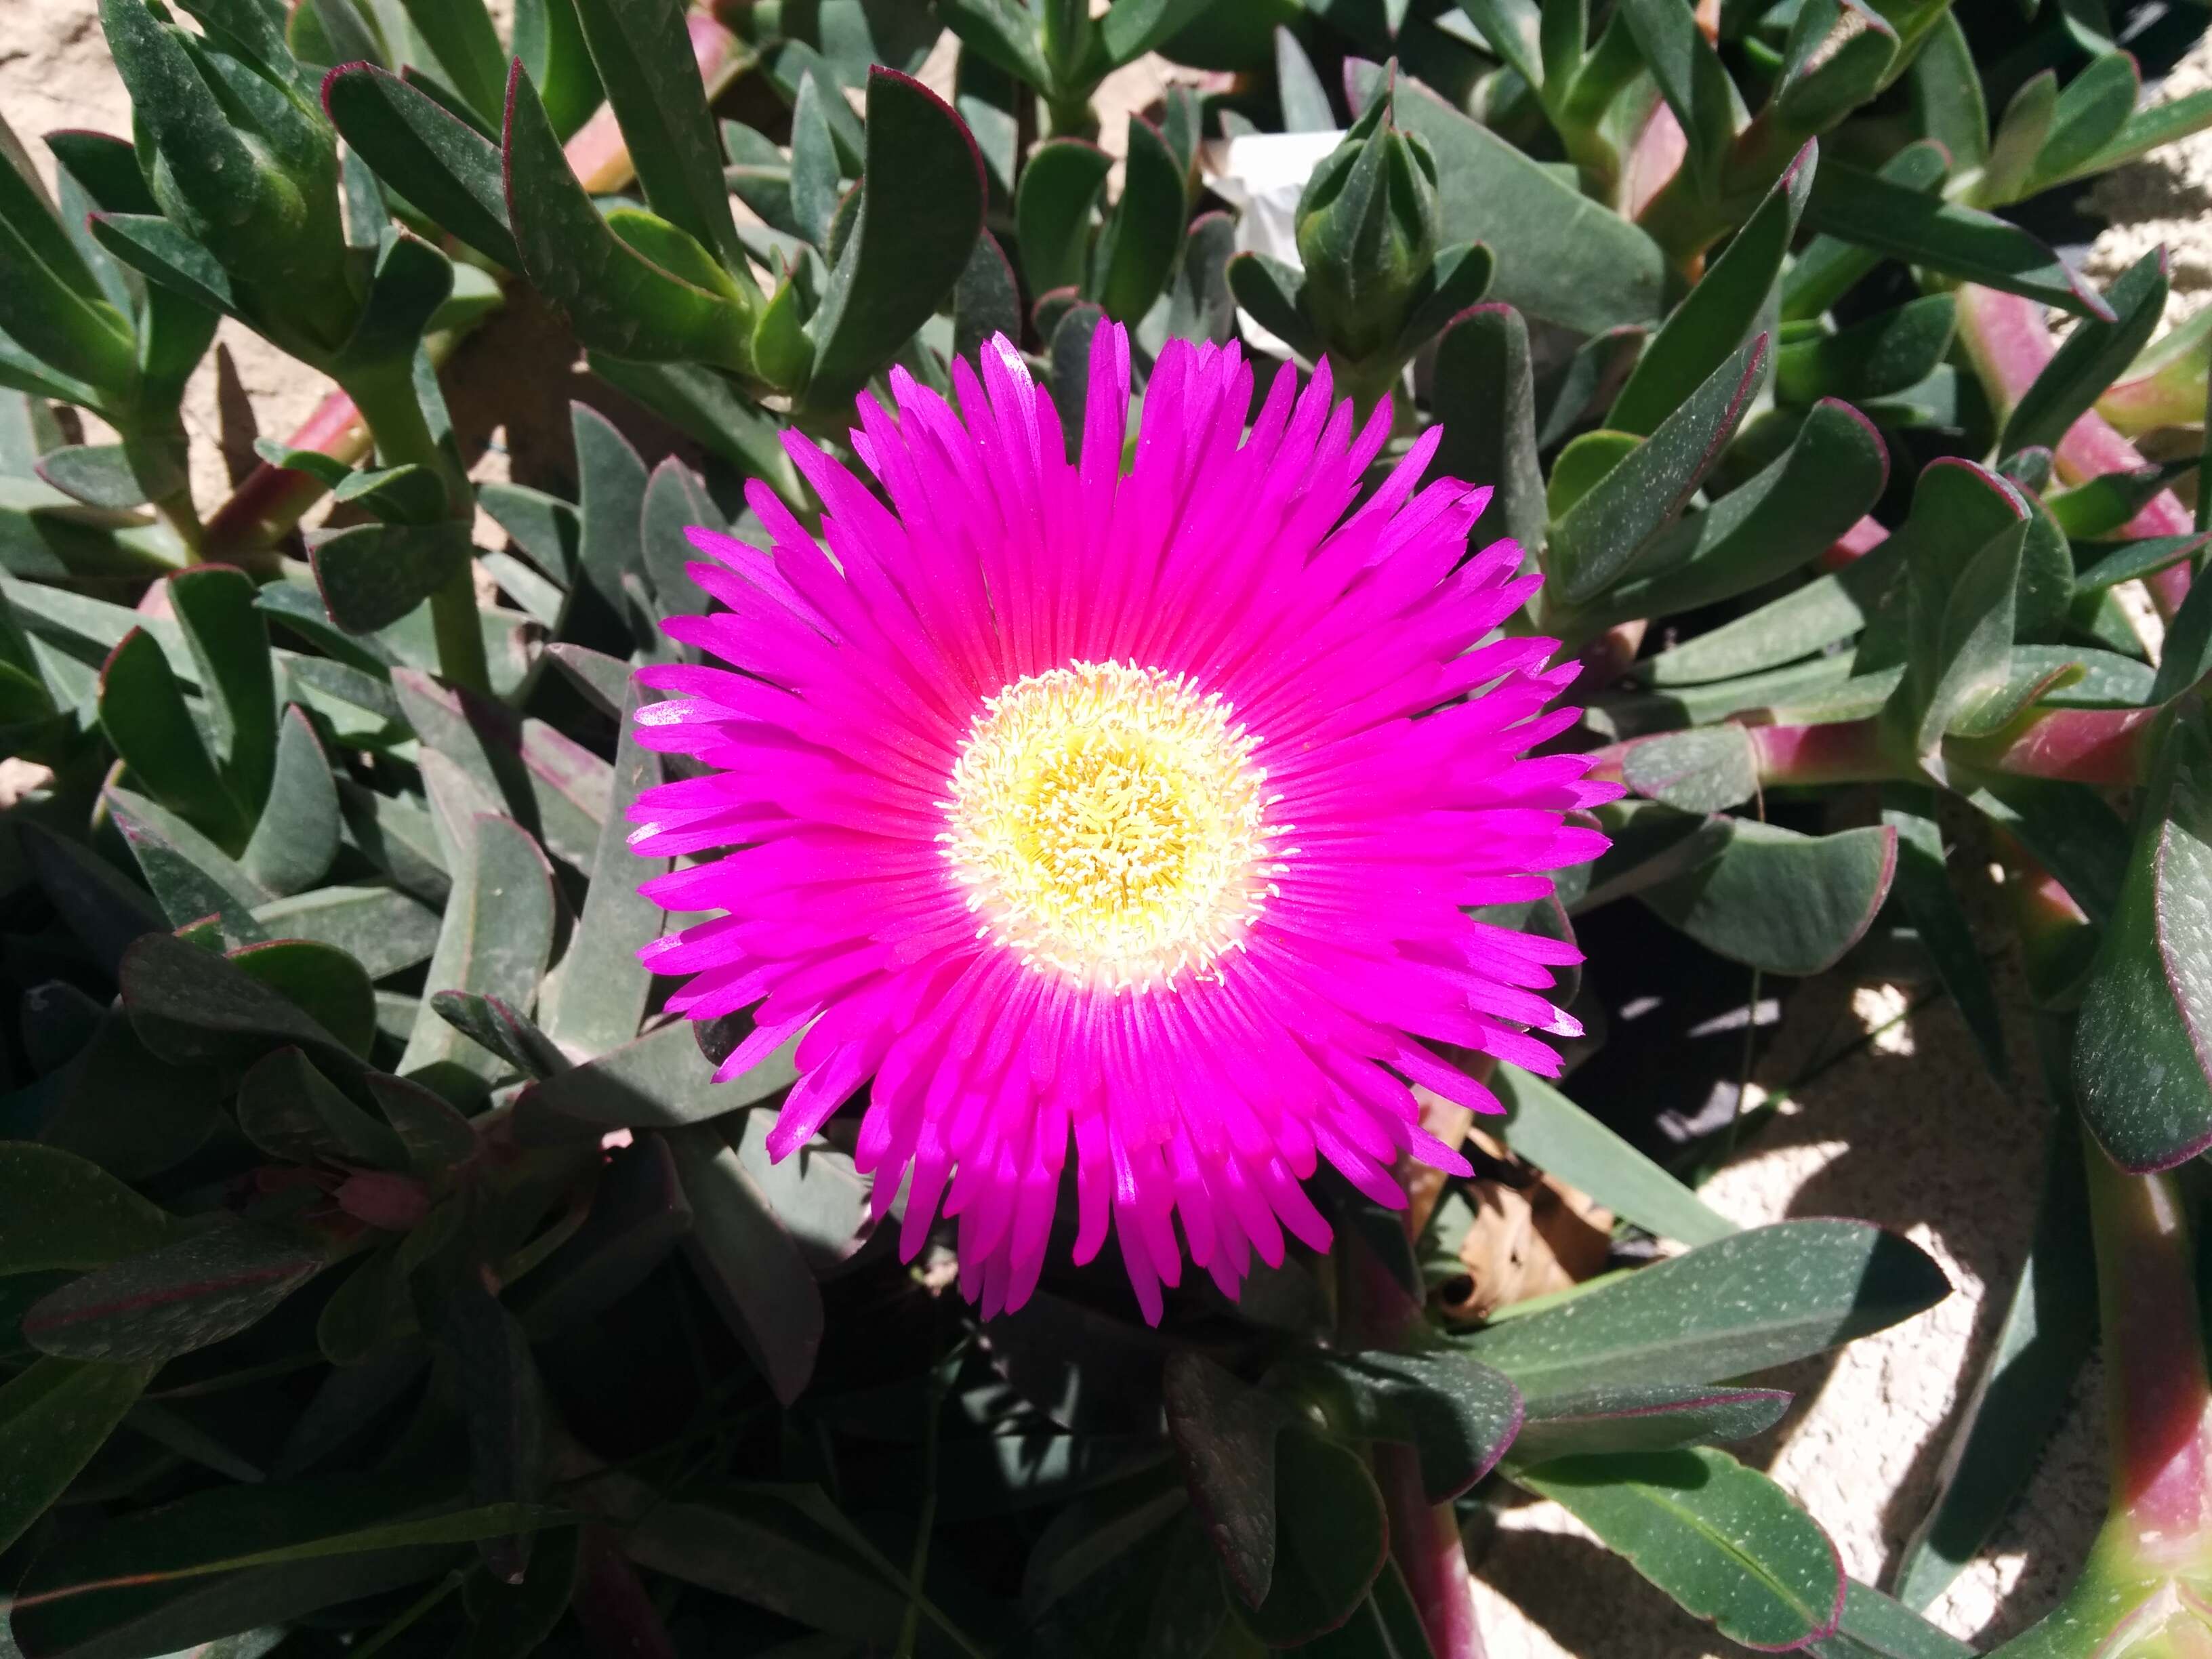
x=1142, y=809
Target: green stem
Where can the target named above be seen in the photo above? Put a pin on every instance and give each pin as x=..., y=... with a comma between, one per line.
x=2158, y=1396
x=176, y=511
x=385, y=396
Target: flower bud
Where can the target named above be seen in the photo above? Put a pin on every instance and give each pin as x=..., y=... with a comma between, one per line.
x=1368, y=229
x=239, y=163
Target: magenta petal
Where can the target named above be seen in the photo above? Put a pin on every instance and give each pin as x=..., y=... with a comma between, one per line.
x=1335, y=660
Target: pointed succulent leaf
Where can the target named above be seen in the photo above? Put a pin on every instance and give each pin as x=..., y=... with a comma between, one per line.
x=163, y=252
x=1723, y=1540
x=920, y=212
x=497, y=936
x=1774, y=523
x=1691, y=78
x=1598, y=540
x=1721, y=310
x=1752, y=1300
x=1004, y=32
x=1828, y=267
x=620, y=300
x=1643, y=1417
x=2143, y=1058
x=459, y=34
x=1144, y=234
x=174, y=1298
x=2147, y=130
x=2088, y=115
x=1872, y=212
x=1274, y=293
x=2091, y=357
x=643, y=50
x=55, y=1414
x=2025, y=1386
x=1053, y=210
x=1543, y=1126
x=429, y=155
x=1839, y=54
x=814, y=184
x=1886, y=353
x=1485, y=400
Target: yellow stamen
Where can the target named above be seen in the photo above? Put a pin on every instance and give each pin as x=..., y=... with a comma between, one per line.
x=1108, y=822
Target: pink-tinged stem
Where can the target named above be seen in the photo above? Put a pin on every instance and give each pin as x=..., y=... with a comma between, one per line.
x=2110, y=748
x=273, y=499
x=2009, y=343
x=1655, y=156
x=1424, y=1543
x=2158, y=1400
x=1841, y=751
x=1854, y=544
x=610, y=1604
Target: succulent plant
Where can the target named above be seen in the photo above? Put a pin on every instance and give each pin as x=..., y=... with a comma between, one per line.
x=382, y=1267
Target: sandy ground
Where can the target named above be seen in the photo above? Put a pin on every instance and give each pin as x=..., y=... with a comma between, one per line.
x=2165, y=197
x=1909, y=1131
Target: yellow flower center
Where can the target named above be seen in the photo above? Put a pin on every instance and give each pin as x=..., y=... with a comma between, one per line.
x=1108, y=822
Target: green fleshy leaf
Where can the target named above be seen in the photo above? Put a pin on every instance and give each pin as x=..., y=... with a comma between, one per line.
x=1780, y=901
x=191, y=877
x=1754, y=1299
x=1767, y=527
x=1723, y=1540
x=1869, y=211
x=297, y=837
x=54, y=1416
x=177, y=1296
x=619, y=300
x=922, y=209
x=1331, y=1539
x=1144, y=234
x=143, y=710
x=2093, y=355
x=1721, y=310
x=62, y=1212
x=1486, y=401
x=430, y=156
x=1644, y=1417
x=1551, y=1132
x=752, y=1269
x=2024, y=1387
x=1599, y=538
x=497, y=935
x=230, y=644
x=2142, y=1054
x=373, y=574
x=1890, y=352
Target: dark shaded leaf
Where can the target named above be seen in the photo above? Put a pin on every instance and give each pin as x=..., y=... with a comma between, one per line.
x=177, y=1296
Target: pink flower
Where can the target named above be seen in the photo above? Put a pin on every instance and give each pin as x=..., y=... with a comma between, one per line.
x=1130, y=810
